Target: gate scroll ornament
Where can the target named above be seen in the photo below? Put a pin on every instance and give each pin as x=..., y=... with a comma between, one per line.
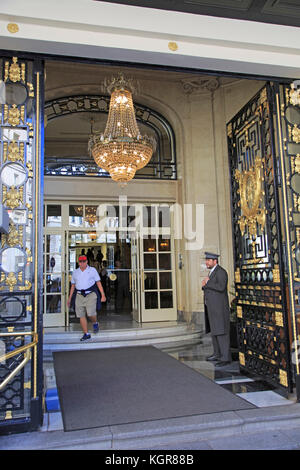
x=251, y=193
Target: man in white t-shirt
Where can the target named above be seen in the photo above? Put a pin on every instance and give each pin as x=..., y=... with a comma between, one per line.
x=86, y=281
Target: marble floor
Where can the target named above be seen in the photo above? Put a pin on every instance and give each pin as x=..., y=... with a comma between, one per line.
x=254, y=390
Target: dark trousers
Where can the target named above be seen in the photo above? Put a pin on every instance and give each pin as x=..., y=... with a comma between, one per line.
x=221, y=345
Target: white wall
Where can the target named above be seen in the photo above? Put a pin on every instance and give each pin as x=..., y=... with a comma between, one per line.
x=86, y=28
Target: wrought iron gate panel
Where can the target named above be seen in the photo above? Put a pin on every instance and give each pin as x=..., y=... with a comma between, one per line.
x=287, y=103
x=21, y=83
x=262, y=323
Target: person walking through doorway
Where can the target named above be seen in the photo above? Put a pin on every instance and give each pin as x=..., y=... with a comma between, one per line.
x=86, y=284
x=217, y=308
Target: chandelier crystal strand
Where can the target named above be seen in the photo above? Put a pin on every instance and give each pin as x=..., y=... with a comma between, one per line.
x=121, y=149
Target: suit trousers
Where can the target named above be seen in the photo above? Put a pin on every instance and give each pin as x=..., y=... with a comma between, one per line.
x=221, y=345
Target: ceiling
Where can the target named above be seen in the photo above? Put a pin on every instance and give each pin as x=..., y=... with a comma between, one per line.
x=283, y=12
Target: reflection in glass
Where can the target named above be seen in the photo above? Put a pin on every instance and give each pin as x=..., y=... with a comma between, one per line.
x=164, y=216
x=53, y=243
x=53, y=303
x=151, y=300
x=11, y=308
x=13, y=174
x=109, y=218
x=150, y=261
x=91, y=219
x=110, y=237
x=15, y=93
x=293, y=114
x=165, y=280
x=29, y=191
x=150, y=281
x=53, y=263
x=19, y=134
x=166, y=300
x=18, y=216
x=165, y=261
x=13, y=260
x=53, y=283
x=131, y=216
x=295, y=182
x=75, y=216
x=293, y=148
x=149, y=244
x=298, y=255
x=149, y=216
x=54, y=215
x=164, y=244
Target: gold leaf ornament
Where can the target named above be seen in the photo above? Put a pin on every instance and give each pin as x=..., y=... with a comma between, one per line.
x=11, y=281
x=173, y=46
x=13, y=198
x=251, y=194
x=12, y=28
x=14, y=116
x=296, y=134
x=14, y=73
x=15, y=153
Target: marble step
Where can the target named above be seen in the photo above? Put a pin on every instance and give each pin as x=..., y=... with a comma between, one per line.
x=67, y=341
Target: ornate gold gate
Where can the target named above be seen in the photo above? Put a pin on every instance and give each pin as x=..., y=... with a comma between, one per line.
x=262, y=313
x=20, y=270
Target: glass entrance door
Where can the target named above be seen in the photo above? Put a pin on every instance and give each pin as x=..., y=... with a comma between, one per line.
x=135, y=279
x=115, y=258
x=54, y=299
x=157, y=277
x=136, y=264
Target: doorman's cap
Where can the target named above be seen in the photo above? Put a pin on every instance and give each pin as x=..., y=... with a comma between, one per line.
x=82, y=258
x=211, y=255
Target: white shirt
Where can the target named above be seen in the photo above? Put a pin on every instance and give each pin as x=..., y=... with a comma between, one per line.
x=85, y=279
x=212, y=269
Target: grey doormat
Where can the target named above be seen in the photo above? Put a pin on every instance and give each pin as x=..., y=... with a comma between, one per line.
x=103, y=387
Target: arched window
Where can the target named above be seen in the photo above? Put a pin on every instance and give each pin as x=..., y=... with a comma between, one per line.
x=68, y=126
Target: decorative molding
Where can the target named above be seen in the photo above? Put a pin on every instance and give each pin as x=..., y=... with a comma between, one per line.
x=200, y=85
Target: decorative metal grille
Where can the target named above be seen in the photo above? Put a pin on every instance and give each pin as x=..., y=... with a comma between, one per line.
x=20, y=190
x=287, y=100
x=262, y=320
x=162, y=164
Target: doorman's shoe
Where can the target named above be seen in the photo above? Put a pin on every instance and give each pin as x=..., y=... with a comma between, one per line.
x=96, y=327
x=213, y=358
x=222, y=363
x=85, y=337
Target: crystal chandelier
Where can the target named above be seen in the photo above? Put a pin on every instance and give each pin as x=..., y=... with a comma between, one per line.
x=121, y=149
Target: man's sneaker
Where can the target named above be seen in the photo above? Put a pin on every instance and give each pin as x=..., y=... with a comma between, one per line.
x=96, y=327
x=85, y=337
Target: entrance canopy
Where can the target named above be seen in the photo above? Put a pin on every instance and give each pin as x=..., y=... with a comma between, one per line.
x=103, y=30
